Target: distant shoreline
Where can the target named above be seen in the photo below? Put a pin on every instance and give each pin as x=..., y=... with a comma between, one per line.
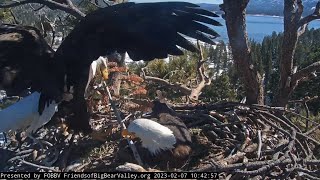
x=219, y=13
x=275, y=16
x=265, y=15
x=258, y=15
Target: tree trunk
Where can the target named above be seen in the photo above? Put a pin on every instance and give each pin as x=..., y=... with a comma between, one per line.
x=289, y=43
x=116, y=77
x=294, y=26
x=235, y=16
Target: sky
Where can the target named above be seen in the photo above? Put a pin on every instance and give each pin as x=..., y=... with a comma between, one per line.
x=193, y=1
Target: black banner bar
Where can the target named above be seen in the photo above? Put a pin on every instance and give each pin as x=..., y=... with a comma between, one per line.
x=109, y=175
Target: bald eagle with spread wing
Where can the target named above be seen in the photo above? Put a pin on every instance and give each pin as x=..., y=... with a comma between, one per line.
x=25, y=61
x=144, y=30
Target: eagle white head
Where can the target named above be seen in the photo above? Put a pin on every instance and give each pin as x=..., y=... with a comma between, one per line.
x=154, y=136
x=99, y=64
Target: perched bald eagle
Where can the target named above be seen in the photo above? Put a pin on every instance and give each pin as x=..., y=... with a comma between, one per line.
x=165, y=141
x=25, y=60
x=24, y=114
x=145, y=31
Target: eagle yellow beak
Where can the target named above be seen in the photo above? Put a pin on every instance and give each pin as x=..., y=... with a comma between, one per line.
x=126, y=134
x=105, y=73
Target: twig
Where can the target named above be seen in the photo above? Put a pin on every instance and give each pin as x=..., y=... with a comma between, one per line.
x=19, y=157
x=312, y=130
x=50, y=4
x=39, y=166
x=311, y=17
x=14, y=17
x=24, y=152
x=254, y=165
x=262, y=169
x=260, y=144
x=117, y=113
x=307, y=115
x=282, y=110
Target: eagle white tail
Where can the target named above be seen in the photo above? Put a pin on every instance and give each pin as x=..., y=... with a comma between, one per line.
x=24, y=114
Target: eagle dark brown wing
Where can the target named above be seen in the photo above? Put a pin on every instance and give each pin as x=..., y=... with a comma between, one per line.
x=25, y=61
x=145, y=31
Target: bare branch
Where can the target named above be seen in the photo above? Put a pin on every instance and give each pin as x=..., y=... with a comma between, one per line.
x=19, y=3
x=299, y=10
x=14, y=17
x=34, y=9
x=305, y=72
x=233, y=167
x=176, y=86
x=200, y=62
x=68, y=8
x=39, y=166
x=311, y=17
x=72, y=6
x=304, y=100
x=204, y=80
x=312, y=130
x=302, y=29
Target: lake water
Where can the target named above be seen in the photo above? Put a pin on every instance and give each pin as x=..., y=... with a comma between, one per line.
x=259, y=26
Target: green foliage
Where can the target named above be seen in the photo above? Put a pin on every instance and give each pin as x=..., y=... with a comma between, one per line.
x=307, y=52
x=183, y=69
x=226, y=84
x=5, y=16
x=219, y=57
x=220, y=89
x=311, y=87
x=158, y=68
x=135, y=67
x=87, y=7
x=256, y=55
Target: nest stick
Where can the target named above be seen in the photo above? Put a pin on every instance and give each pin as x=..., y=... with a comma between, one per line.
x=260, y=144
x=117, y=113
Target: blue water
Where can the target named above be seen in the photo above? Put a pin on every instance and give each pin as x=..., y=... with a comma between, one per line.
x=259, y=26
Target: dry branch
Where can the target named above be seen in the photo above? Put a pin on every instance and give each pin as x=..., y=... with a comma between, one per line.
x=254, y=165
x=39, y=166
x=233, y=143
x=305, y=72
x=130, y=142
x=294, y=27
x=315, y=15
x=68, y=8
x=179, y=87
x=192, y=93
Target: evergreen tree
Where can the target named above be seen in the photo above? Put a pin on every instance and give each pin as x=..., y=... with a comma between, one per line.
x=219, y=90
